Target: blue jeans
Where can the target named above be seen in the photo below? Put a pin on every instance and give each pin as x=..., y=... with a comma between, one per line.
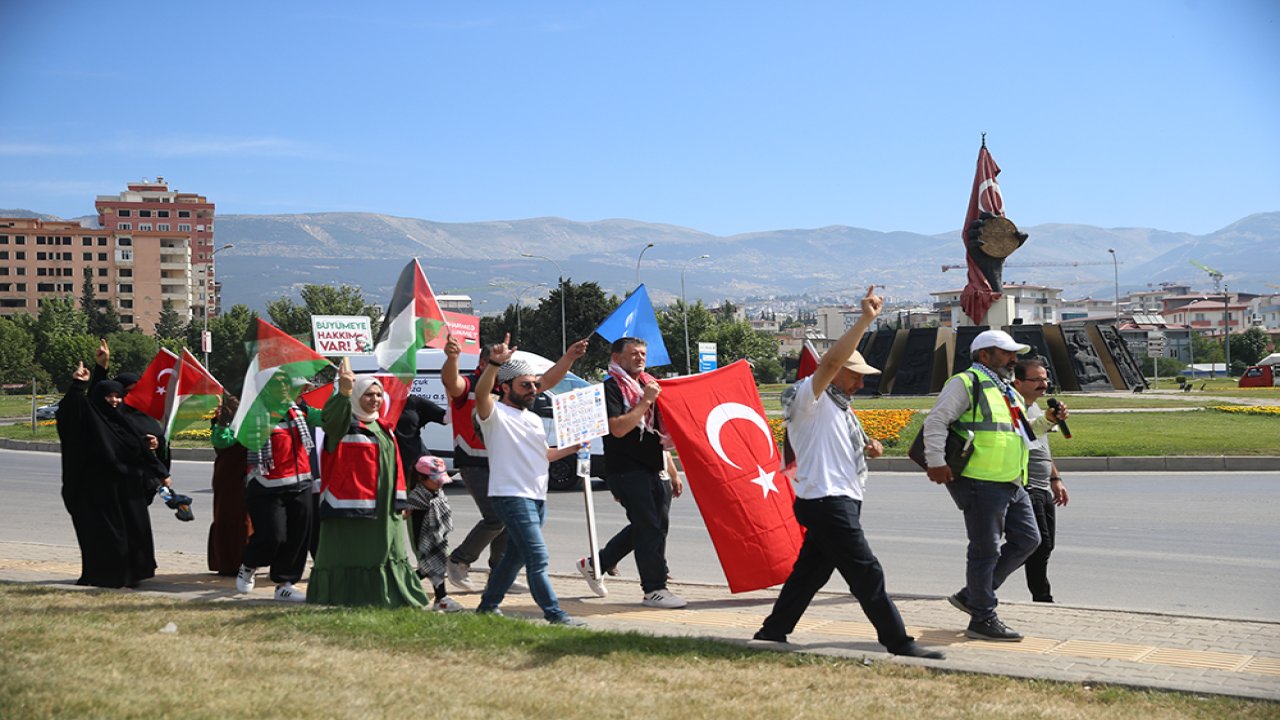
x=992, y=511
x=523, y=518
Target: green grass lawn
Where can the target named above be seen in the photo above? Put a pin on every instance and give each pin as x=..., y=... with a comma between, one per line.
x=102, y=654
x=15, y=406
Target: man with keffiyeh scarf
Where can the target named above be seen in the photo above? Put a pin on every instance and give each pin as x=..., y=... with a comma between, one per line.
x=831, y=449
x=990, y=490
x=277, y=495
x=634, y=461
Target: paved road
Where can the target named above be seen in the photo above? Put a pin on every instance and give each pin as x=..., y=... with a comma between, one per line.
x=1186, y=543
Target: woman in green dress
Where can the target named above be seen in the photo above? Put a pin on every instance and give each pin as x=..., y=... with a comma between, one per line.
x=362, y=558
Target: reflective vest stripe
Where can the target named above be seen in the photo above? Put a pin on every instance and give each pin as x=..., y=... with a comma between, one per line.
x=328, y=498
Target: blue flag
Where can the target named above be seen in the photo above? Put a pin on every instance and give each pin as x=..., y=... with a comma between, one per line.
x=635, y=318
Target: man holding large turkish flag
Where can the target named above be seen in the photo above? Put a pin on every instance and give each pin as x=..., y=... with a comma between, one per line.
x=731, y=463
x=831, y=469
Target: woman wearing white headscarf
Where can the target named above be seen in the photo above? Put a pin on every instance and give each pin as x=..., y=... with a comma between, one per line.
x=362, y=559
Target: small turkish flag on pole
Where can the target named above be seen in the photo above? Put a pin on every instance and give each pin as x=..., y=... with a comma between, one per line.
x=731, y=460
x=978, y=296
x=156, y=383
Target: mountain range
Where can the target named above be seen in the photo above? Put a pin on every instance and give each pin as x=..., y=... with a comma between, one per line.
x=275, y=254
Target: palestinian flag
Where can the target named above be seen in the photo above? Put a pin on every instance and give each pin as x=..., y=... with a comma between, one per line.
x=414, y=321
x=152, y=390
x=279, y=369
x=193, y=395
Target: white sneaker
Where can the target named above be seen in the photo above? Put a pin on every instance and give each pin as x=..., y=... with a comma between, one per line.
x=286, y=592
x=588, y=573
x=245, y=579
x=447, y=604
x=518, y=587
x=457, y=572
x=664, y=599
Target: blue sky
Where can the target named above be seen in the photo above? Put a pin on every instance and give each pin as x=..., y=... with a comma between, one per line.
x=722, y=116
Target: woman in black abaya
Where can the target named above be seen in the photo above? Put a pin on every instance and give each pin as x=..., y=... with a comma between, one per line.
x=106, y=464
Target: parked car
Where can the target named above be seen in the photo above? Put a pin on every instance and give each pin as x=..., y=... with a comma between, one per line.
x=438, y=439
x=47, y=412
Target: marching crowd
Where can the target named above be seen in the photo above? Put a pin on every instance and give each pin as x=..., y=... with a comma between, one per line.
x=355, y=491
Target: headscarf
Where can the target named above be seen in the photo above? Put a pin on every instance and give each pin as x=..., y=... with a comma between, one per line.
x=127, y=379
x=358, y=389
x=112, y=438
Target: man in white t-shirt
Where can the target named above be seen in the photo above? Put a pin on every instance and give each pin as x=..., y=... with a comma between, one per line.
x=518, y=459
x=831, y=472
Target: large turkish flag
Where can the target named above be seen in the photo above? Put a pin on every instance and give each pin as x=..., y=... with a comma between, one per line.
x=731, y=461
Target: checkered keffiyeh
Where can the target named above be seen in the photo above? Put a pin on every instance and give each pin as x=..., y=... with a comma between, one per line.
x=513, y=368
x=432, y=544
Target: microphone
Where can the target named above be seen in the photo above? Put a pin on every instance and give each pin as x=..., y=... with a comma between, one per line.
x=1062, y=424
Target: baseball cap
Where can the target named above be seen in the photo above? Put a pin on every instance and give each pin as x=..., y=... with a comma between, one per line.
x=997, y=339
x=858, y=364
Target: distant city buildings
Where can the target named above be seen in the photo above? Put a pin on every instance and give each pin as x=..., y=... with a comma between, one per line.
x=152, y=244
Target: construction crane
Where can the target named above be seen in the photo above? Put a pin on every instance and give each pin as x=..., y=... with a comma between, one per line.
x=1215, y=274
x=1033, y=264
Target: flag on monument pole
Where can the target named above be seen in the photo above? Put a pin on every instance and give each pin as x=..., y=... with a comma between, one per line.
x=635, y=318
x=279, y=368
x=808, y=361
x=730, y=458
x=153, y=387
x=194, y=395
x=978, y=296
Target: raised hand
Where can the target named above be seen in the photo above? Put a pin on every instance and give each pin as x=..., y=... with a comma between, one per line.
x=81, y=373
x=578, y=349
x=501, y=353
x=452, y=348
x=872, y=304
x=103, y=354
x=346, y=378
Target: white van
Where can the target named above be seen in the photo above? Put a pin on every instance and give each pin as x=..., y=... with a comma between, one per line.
x=438, y=439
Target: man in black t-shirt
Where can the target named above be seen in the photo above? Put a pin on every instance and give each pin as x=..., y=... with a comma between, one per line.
x=633, y=462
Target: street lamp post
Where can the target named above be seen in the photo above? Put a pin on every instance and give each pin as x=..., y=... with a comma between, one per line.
x=684, y=305
x=1115, y=264
x=646, y=247
x=564, y=336
x=1226, y=326
x=208, y=300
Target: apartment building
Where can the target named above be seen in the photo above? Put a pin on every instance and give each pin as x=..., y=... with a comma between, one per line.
x=152, y=244
x=166, y=240
x=1032, y=304
x=40, y=258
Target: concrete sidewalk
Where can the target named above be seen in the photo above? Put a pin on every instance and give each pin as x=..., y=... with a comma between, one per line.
x=1066, y=643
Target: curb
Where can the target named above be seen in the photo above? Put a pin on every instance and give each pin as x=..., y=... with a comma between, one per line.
x=1163, y=463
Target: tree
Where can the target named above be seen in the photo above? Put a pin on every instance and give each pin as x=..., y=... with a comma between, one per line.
x=1249, y=346
x=230, y=357
x=702, y=328
x=17, y=353
x=101, y=317
x=290, y=317
x=738, y=340
x=170, y=326
x=63, y=353
x=1168, y=366
x=586, y=306
x=131, y=351
x=295, y=319
x=1206, y=350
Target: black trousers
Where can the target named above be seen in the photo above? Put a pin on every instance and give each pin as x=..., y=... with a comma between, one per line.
x=647, y=501
x=281, y=533
x=1037, y=566
x=834, y=541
